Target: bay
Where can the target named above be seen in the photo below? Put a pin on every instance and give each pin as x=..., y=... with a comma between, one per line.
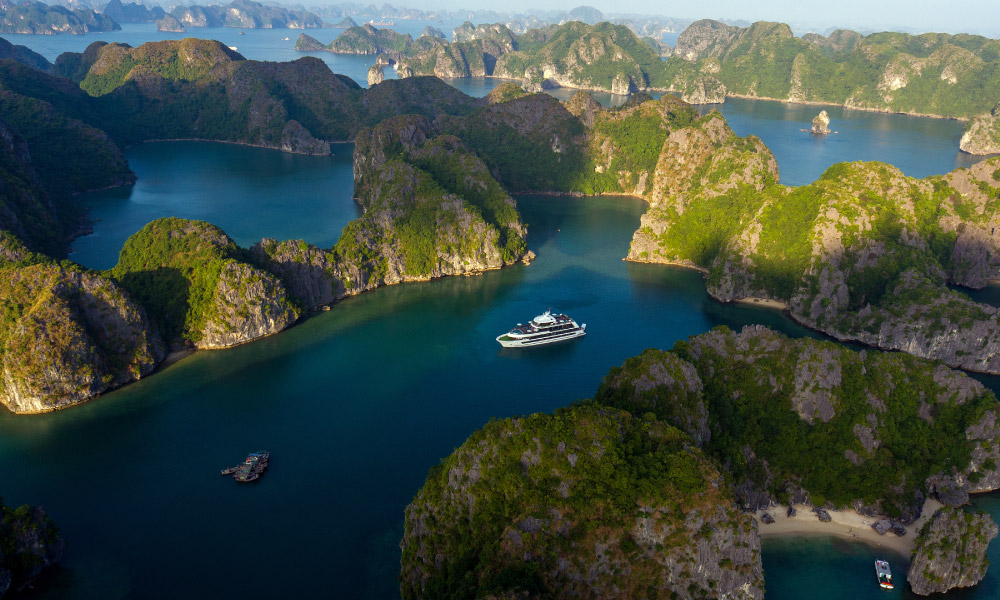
x=355, y=404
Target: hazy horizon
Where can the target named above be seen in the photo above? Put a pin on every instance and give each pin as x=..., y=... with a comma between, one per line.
x=919, y=16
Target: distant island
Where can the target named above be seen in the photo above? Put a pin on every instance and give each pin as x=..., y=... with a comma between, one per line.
x=40, y=18
x=246, y=14
x=866, y=281
x=938, y=75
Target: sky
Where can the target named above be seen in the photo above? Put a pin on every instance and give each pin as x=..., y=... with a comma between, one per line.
x=949, y=16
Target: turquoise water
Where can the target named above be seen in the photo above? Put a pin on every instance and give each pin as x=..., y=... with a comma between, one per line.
x=251, y=193
x=354, y=404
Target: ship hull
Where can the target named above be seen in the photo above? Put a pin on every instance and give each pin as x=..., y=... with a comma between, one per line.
x=562, y=336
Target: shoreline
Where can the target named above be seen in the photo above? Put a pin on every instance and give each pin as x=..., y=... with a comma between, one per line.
x=846, y=524
x=766, y=302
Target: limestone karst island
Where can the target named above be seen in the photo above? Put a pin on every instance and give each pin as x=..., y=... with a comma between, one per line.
x=531, y=301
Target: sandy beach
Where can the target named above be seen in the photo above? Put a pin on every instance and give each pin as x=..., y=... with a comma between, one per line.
x=846, y=524
x=763, y=302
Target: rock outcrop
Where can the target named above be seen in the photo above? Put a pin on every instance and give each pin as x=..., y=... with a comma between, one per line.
x=820, y=124
x=199, y=292
x=68, y=336
x=29, y=543
x=247, y=304
x=171, y=24
x=375, y=75
x=866, y=257
x=982, y=134
x=432, y=208
x=951, y=552
x=308, y=272
x=771, y=396
x=512, y=510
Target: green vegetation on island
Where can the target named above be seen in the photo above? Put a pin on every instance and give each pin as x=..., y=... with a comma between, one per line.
x=951, y=551
x=824, y=423
x=192, y=279
x=558, y=506
x=864, y=253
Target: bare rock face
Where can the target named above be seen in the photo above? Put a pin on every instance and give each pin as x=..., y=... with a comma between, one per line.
x=171, y=24
x=248, y=304
x=982, y=134
x=403, y=71
x=307, y=272
x=375, y=75
x=951, y=551
x=521, y=492
x=623, y=85
x=820, y=124
x=704, y=39
x=661, y=383
x=74, y=335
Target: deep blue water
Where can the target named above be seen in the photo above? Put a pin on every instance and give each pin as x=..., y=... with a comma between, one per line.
x=355, y=404
x=249, y=192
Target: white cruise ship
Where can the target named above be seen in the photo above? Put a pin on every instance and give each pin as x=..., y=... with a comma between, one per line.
x=546, y=328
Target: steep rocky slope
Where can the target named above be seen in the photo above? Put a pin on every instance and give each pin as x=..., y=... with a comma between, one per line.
x=29, y=543
x=800, y=420
x=863, y=253
x=982, y=134
x=432, y=208
x=198, y=289
x=951, y=552
x=586, y=503
x=68, y=334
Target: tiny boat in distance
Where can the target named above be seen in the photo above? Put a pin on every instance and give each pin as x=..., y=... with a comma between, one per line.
x=883, y=573
x=546, y=328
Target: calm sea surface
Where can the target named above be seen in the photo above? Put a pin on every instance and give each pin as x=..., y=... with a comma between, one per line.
x=357, y=403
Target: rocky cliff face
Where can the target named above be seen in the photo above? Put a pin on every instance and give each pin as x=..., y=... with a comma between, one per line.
x=30, y=543
x=769, y=396
x=951, y=552
x=820, y=124
x=307, y=272
x=982, y=134
x=865, y=257
x=69, y=335
x=247, y=304
x=696, y=164
x=375, y=75
x=171, y=24
x=199, y=291
x=432, y=208
x=511, y=511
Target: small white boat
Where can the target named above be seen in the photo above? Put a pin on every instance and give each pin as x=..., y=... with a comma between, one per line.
x=233, y=48
x=883, y=573
x=546, y=328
